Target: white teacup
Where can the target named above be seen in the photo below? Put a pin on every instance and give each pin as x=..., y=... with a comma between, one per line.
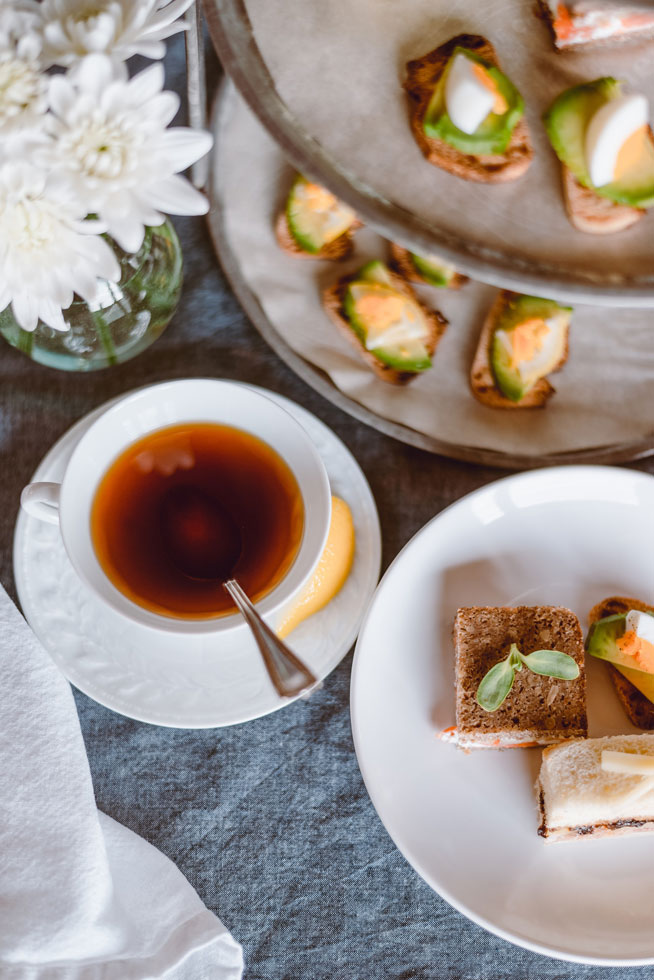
x=159, y=406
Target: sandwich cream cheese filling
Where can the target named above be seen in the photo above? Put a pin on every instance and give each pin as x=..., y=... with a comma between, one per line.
x=579, y=791
x=492, y=740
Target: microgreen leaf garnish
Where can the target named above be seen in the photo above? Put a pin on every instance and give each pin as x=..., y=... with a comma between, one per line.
x=497, y=683
x=552, y=663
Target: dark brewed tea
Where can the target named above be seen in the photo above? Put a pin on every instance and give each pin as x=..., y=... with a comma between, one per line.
x=137, y=522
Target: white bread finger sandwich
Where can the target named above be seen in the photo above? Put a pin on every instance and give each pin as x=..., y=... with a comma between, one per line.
x=597, y=787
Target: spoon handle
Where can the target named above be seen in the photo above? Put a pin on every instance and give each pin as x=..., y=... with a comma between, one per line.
x=288, y=674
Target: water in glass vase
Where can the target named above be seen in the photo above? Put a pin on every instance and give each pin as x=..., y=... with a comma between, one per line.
x=126, y=318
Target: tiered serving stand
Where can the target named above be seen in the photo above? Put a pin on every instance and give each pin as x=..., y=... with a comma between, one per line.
x=525, y=242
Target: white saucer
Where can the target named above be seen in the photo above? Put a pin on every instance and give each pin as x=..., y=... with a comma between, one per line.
x=195, y=682
x=468, y=822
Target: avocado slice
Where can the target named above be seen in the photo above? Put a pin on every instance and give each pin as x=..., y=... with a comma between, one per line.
x=313, y=229
x=375, y=280
x=640, y=679
x=376, y=271
x=494, y=134
x=566, y=122
x=601, y=638
x=433, y=270
x=601, y=643
x=511, y=382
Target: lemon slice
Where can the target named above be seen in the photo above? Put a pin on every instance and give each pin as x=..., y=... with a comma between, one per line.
x=331, y=571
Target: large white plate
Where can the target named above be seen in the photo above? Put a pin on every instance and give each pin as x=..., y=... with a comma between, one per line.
x=467, y=822
x=185, y=682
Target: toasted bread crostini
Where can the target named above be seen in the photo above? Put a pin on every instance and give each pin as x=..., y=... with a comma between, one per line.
x=314, y=224
x=403, y=359
x=593, y=214
x=429, y=269
x=639, y=709
x=602, y=138
x=486, y=372
x=423, y=77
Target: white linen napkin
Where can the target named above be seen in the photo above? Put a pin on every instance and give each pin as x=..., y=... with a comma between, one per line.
x=81, y=896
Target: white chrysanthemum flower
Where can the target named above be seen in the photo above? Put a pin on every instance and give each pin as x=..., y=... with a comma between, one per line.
x=48, y=252
x=109, y=135
x=22, y=88
x=120, y=28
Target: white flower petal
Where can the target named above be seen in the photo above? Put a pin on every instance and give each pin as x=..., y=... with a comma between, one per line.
x=181, y=146
x=169, y=12
x=163, y=108
x=61, y=95
x=162, y=33
x=86, y=286
x=146, y=84
x=104, y=259
x=51, y=314
x=25, y=310
x=128, y=231
x=152, y=48
x=175, y=195
x=121, y=28
x=93, y=74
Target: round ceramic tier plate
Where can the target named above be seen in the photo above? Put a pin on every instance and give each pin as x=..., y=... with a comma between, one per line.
x=611, y=351
x=326, y=81
x=188, y=682
x=468, y=822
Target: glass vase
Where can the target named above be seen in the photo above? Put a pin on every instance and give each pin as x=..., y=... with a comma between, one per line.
x=126, y=317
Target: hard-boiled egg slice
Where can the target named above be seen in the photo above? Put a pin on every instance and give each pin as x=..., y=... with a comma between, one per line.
x=325, y=213
x=391, y=318
x=641, y=623
x=536, y=346
x=470, y=94
x=615, y=138
x=638, y=639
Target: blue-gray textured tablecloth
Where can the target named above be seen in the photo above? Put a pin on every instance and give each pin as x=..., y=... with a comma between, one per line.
x=270, y=820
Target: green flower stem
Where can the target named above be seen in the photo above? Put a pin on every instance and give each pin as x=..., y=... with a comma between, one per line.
x=104, y=333
x=25, y=341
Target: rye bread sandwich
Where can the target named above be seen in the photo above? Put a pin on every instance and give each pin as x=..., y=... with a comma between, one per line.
x=597, y=787
x=611, y=638
x=522, y=339
x=466, y=116
x=379, y=314
x=429, y=269
x=537, y=708
x=314, y=224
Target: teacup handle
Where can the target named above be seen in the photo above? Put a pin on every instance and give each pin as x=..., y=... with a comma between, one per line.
x=41, y=500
